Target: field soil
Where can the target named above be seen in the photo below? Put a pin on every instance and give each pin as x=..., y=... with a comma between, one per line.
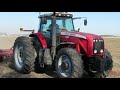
x=7, y=68
x=113, y=45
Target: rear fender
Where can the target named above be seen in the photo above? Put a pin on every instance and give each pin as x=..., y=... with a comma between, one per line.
x=41, y=38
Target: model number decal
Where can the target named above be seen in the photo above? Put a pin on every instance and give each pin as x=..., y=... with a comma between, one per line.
x=66, y=36
x=72, y=34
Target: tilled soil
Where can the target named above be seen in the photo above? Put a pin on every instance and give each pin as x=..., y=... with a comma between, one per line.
x=7, y=71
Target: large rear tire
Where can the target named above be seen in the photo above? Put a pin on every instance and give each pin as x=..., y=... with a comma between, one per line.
x=68, y=63
x=24, y=55
x=39, y=59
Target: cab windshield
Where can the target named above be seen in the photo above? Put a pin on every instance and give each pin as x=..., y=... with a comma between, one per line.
x=61, y=23
x=65, y=23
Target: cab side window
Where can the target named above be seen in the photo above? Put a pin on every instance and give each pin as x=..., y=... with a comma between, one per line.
x=44, y=28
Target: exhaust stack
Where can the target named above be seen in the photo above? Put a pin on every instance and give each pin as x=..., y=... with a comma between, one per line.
x=53, y=48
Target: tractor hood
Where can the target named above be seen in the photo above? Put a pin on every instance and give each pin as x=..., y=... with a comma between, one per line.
x=85, y=40
x=81, y=35
x=88, y=35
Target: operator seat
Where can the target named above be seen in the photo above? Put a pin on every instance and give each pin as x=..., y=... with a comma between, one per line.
x=57, y=28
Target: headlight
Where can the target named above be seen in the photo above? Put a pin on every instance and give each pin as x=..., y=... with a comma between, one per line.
x=101, y=51
x=98, y=46
x=95, y=51
x=93, y=40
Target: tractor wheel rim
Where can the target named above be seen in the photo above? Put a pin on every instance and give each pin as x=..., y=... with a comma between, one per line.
x=19, y=56
x=64, y=66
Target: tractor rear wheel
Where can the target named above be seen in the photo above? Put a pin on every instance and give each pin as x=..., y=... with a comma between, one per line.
x=24, y=55
x=68, y=63
x=39, y=59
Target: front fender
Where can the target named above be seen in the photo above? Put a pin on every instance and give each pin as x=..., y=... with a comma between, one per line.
x=64, y=45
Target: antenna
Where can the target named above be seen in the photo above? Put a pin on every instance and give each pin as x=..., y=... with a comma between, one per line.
x=39, y=13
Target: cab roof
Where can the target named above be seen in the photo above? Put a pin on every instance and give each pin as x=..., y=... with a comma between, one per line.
x=57, y=15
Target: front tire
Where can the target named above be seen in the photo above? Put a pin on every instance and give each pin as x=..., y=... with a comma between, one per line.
x=69, y=64
x=24, y=55
x=105, y=74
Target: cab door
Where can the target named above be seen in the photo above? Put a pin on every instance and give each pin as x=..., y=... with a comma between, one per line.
x=45, y=30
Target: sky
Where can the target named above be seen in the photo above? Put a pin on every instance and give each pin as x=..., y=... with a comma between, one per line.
x=100, y=23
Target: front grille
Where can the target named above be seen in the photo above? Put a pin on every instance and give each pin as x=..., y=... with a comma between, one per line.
x=98, y=46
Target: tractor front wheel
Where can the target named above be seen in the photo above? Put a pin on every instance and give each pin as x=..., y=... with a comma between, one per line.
x=24, y=55
x=69, y=64
x=105, y=74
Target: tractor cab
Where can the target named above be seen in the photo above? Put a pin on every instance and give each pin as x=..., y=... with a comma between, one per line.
x=63, y=22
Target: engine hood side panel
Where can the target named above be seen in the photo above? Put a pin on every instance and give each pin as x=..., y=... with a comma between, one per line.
x=85, y=40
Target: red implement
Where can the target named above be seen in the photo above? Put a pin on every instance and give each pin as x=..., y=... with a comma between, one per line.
x=6, y=53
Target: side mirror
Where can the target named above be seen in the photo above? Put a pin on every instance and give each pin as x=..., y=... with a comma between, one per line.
x=78, y=29
x=21, y=29
x=44, y=20
x=49, y=30
x=85, y=22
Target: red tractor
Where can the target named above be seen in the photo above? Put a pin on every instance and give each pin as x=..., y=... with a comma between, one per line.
x=57, y=44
